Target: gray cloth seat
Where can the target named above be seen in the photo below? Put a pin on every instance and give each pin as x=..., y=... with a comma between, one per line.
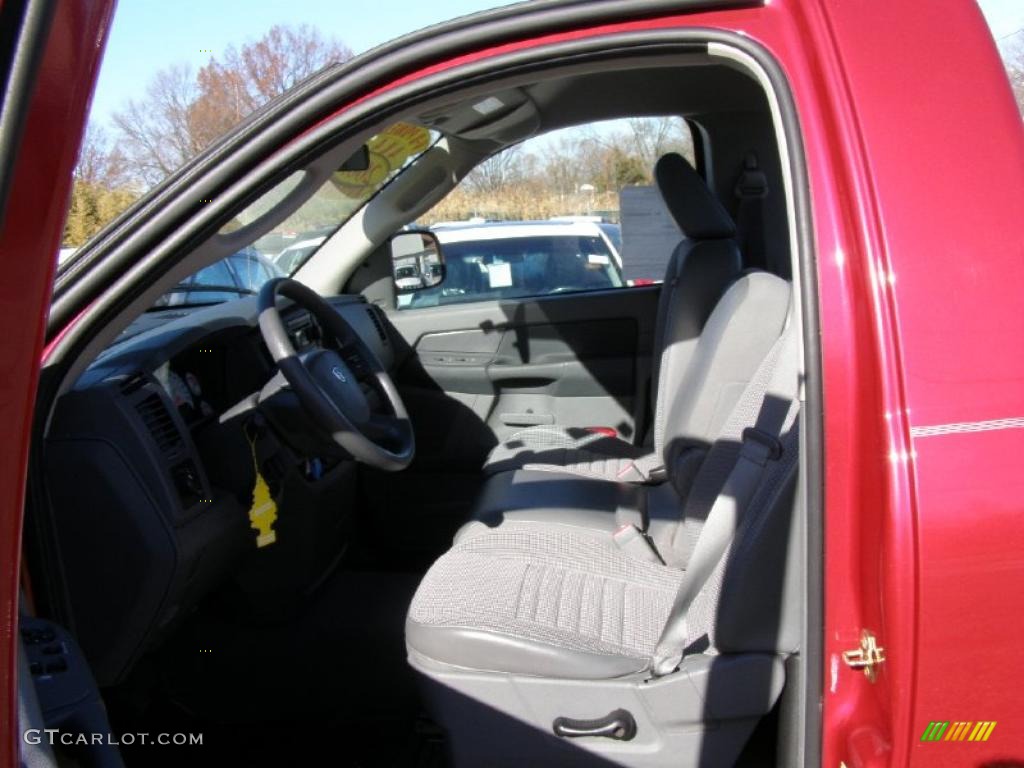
x=549, y=614
x=540, y=589
x=698, y=272
x=529, y=495
x=573, y=450
x=706, y=377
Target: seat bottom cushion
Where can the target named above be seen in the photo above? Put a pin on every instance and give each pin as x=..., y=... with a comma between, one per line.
x=541, y=600
x=555, y=497
x=574, y=450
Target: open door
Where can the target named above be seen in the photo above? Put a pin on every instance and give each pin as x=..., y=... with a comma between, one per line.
x=49, y=57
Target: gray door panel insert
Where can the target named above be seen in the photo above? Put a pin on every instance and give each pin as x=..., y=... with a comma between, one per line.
x=577, y=360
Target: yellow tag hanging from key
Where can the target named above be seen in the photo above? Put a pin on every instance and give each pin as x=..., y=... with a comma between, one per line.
x=263, y=512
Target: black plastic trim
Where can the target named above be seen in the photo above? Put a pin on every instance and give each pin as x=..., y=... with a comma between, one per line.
x=24, y=29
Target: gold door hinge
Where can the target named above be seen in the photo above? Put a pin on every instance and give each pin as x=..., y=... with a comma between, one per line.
x=868, y=657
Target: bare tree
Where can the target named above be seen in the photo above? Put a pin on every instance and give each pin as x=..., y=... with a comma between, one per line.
x=156, y=132
x=653, y=137
x=99, y=162
x=282, y=58
x=510, y=166
x=184, y=112
x=645, y=139
x=571, y=161
x=101, y=190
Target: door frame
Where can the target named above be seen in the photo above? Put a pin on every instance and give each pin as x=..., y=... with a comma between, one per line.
x=100, y=285
x=49, y=64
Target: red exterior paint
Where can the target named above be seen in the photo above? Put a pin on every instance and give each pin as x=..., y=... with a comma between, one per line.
x=947, y=170
x=29, y=242
x=915, y=153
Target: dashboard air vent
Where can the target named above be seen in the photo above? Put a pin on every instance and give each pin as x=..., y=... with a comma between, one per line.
x=378, y=322
x=159, y=423
x=132, y=384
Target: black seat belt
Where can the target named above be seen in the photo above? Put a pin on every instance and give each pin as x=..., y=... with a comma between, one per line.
x=751, y=190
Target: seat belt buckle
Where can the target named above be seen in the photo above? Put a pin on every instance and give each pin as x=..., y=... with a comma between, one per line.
x=604, y=431
x=656, y=475
x=760, y=446
x=636, y=544
x=641, y=472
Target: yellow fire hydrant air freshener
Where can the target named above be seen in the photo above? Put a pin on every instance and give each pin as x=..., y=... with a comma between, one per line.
x=263, y=511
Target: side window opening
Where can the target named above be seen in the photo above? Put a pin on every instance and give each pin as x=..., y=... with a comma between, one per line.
x=569, y=211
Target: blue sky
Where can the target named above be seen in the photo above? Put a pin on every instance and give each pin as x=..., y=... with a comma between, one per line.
x=1005, y=18
x=149, y=35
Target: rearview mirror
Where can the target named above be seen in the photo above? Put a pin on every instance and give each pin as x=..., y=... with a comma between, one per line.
x=359, y=161
x=416, y=261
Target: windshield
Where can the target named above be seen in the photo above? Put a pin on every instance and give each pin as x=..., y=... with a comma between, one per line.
x=283, y=250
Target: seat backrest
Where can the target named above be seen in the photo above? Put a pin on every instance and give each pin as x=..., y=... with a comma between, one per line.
x=736, y=534
x=703, y=378
x=699, y=270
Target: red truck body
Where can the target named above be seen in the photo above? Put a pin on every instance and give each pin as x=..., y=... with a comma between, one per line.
x=915, y=161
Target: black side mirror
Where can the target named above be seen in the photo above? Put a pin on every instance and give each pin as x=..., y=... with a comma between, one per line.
x=416, y=260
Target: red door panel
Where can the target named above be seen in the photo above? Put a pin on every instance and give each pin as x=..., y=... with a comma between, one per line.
x=936, y=153
x=29, y=239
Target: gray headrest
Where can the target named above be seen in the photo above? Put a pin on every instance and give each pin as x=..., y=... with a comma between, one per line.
x=697, y=212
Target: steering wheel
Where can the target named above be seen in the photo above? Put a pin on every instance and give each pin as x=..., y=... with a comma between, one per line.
x=327, y=387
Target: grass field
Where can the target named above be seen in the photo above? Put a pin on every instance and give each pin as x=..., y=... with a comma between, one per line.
x=520, y=203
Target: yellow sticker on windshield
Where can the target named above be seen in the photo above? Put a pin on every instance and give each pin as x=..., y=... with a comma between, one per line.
x=389, y=150
x=399, y=142
x=359, y=184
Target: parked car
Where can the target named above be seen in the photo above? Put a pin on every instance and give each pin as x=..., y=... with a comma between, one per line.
x=241, y=274
x=499, y=260
x=408, y=277
x=292, y=257
x=281, y=240
x=768, y=512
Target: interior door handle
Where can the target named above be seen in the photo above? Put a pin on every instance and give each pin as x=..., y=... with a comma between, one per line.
x=531, y=372
x=618, y=725
x=526, y=419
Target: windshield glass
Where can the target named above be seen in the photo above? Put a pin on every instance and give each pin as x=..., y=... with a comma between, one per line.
x=283, y=250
